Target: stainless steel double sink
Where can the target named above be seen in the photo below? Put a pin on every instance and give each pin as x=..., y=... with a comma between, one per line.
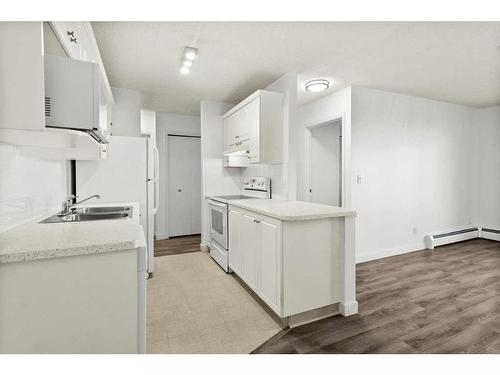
x=92, y=214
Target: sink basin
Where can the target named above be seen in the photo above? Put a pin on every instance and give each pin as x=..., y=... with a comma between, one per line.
x=92, y=217
x=102, y=210
x=83, y=214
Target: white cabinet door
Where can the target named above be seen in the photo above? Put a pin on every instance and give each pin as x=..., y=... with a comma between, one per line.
x=249, y=245
x=235, y=253
x=269, y=263
x=72, y=37
x=253, y=133
x=21, y=76
x=230, y=124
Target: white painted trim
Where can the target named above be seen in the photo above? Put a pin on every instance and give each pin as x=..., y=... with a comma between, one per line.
x=390, y=252
x=348, y=308
x=348, y=305
x=344, y=162
x=204, y=248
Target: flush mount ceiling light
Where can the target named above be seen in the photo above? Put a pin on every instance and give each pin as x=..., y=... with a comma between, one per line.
x=317, y=85
x=190, y=53
x=188, y=57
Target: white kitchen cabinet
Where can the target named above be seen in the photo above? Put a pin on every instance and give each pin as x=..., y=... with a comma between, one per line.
x=73, y=38
x=256, y=125
x=302, y=267
x=249, y=247
x=236, y=255
x=78, y=41
x=23, y=101
x=255, y=253
x=21, y=71
x=270, y=263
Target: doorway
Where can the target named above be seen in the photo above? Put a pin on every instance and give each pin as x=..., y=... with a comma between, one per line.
x=184, y=185
x=324, y=163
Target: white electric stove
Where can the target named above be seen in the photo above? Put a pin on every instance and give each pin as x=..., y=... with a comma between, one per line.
x=253, y=188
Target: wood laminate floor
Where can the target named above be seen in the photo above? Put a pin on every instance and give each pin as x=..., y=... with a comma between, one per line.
x=445, y=300
x=177, y=245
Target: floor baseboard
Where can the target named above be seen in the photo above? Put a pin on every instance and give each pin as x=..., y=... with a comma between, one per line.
x=389, y=253
x=161, y=237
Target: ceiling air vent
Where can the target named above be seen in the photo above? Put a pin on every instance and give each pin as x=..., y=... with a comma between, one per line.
x=47, y=106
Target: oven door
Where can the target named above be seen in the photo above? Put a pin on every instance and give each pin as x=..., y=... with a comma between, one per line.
x=218, y=222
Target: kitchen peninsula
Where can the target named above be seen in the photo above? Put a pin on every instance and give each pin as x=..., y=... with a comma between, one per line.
x=298, y=257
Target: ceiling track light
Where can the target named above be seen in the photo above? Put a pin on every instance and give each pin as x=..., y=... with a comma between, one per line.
x=188, y=57
x=317, y=85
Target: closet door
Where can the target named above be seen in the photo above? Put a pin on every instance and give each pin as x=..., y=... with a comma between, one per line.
x=184, y=186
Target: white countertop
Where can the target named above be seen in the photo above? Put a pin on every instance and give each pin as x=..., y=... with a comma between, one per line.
x=290, y=210
x=33, y=240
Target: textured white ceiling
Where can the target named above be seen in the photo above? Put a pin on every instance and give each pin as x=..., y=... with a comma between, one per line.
x=455, y=62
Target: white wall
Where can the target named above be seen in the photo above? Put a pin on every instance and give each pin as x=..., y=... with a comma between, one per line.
x=487, y=166
x=126, y=112
x=283, y=175
x=215, y=179
x=325, y=109
x=29, y=185
x=169, y=123
x=415, y=160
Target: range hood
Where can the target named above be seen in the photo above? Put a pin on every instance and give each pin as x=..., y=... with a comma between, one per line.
x=236, y=159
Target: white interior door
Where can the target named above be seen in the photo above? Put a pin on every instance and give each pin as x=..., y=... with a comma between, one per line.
x=184, y=185
x=325, y=164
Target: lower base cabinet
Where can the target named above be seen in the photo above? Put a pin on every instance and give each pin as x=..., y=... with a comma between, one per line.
x=255, y=255
x=294, y=266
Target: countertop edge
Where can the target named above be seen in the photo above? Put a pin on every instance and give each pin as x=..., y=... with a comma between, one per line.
x=293, y=218
x=66, y=252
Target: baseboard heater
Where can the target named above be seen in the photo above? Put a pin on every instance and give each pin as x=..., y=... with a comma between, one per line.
x=490, y=234
x=444, y=238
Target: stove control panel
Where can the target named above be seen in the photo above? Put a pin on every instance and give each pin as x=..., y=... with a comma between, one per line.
x=257, y=184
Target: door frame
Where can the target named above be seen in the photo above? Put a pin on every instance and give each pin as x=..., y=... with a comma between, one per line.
x=344, y=154
x=165, y=133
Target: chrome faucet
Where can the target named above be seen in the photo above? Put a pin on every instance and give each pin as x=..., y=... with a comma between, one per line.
x=68, y=205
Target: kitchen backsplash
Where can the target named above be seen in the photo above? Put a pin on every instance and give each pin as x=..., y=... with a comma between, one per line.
x=274, y=171
x=29, y=185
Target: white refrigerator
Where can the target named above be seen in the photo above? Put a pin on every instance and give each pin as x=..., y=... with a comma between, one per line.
x=130, y=173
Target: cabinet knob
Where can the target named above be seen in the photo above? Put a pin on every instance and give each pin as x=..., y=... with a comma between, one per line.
x=179, y=190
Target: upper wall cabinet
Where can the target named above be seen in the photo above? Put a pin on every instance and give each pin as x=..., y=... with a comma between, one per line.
x=78, y=41
x=256, y=126
x=24, y=102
